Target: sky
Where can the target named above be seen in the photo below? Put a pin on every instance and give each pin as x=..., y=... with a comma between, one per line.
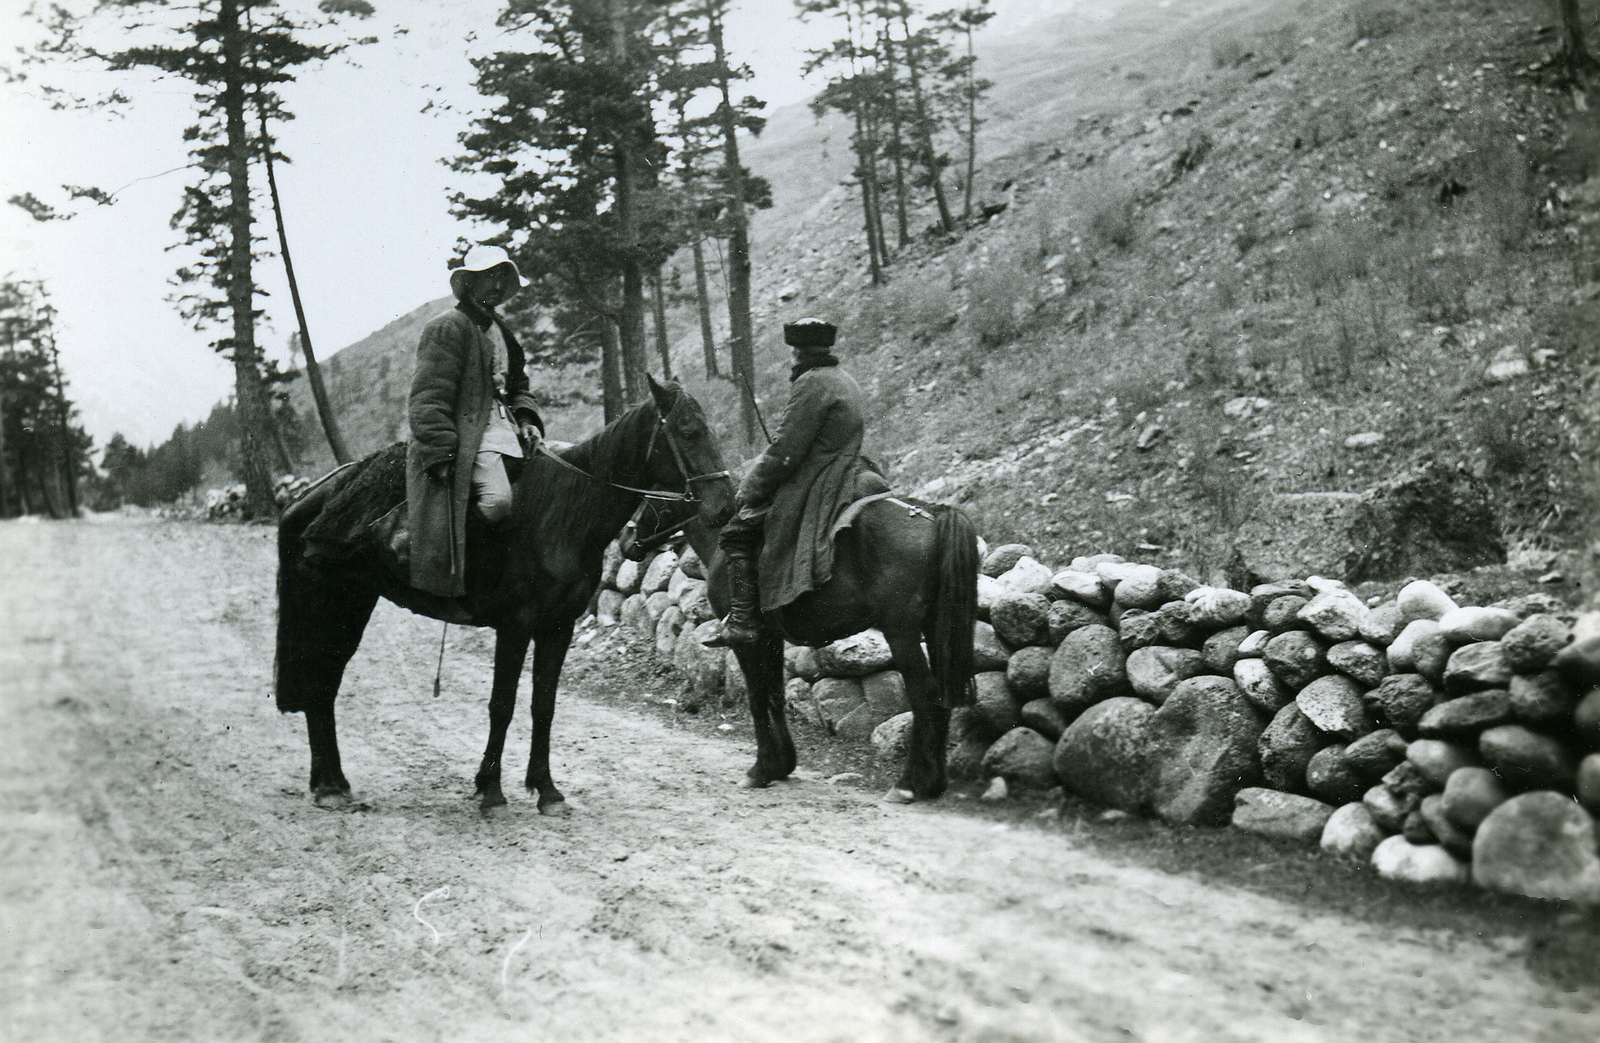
x=365, y=200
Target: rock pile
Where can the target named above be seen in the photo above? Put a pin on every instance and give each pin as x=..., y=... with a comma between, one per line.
x=663, y=600
x=1433, y=740
x=225, y=502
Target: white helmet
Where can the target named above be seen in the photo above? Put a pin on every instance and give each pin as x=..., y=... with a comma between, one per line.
x=481, y=258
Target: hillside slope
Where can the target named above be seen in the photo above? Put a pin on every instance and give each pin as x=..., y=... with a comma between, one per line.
x=1331, y=243
x=1235, y=251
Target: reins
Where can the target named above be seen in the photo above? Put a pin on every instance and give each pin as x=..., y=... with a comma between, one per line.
x=686, y=496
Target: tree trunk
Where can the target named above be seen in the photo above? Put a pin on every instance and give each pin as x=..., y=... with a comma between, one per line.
x=972, y=132
x=659, y=299
x=897, y=147
x=708, y=337
x=866, y=148
x=634, y=357
x=611, y=389
x=1572, y=43
x=64, y=453
x=24, y=500
x=1574, y=52
x=7, y=482
x=283, y=458
x=864, y=179
x=253, y=429
x=930, y=156
x=627, y=171
x=319, y=392
x=740, y=327
x=52, y=479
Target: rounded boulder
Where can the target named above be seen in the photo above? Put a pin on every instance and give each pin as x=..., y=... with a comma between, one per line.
x=1333, y=703
x=1088, y=667
x=1541, y=844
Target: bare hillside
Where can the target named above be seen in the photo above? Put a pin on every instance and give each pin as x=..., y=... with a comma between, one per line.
x=1267, y=252
x=1220, y=252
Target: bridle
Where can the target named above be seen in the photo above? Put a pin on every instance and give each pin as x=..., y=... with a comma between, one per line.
x=686, y=496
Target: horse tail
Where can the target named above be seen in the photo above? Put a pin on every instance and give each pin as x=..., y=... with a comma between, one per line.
x=955, y=606
x=312, y=612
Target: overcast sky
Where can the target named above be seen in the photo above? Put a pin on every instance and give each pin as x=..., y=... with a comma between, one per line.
x=365, y=200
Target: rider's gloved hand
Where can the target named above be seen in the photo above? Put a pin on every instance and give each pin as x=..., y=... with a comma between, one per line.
x=531, y=438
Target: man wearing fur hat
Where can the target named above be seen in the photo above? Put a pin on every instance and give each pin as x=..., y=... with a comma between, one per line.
x=470, y=411
x=793, y=494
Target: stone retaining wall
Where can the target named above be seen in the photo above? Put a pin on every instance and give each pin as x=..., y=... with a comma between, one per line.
x=1432, y=740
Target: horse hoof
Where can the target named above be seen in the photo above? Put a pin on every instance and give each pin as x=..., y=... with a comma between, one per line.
x=333, y=800
x=899, y=796
x=751, y=782
x=556, y=809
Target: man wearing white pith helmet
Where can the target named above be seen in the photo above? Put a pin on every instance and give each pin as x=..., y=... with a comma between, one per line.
x=469, y=411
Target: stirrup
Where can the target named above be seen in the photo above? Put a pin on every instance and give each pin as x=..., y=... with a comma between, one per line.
x=731, y=635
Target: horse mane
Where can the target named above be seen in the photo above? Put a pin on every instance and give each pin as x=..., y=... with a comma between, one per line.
x=566, y=504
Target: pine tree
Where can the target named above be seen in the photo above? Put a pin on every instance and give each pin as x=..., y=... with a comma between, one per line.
x=965, y=21
x=859, y=93
x=576, y=142
x=232, y=52
x=719, y=190
x=43, y=453
x=895, y=75
x=573, y=142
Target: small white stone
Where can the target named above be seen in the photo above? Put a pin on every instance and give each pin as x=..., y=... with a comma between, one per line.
x=1396, y=858
x=1420, y=599
x=997, y=790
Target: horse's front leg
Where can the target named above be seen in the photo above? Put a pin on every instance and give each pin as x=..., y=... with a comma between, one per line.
x=510, y=652
x=549, y=655
x=923, y=776
x=762, y=664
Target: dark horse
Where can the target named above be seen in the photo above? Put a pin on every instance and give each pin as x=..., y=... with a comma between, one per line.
x=908, y=569
x=529, y=583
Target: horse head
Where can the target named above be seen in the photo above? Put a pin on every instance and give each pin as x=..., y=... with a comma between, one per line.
x=687, y=454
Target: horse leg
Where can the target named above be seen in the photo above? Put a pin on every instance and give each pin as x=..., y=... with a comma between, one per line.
x=329, y=788
x=762, y=663
x=510, y=652
x=321, y=618
x=924, y=774
x=549, y=655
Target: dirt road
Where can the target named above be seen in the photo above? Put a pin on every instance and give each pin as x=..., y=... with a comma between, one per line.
x=163, y=876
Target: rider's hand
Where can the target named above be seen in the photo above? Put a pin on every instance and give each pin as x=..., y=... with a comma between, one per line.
x=530, y=435
x=439, y=470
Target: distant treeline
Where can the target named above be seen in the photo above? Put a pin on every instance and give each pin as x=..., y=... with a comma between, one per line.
x=48, y=462
x=172, y=470
x=42, y=452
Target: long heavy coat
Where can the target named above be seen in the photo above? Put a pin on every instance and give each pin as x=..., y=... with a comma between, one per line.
x=810, y=473
x=452, y=392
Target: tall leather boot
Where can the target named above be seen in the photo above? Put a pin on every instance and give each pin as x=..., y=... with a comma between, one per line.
x=739, y=628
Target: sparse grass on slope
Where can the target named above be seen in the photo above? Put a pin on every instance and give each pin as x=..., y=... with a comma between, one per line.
x=1343, y=211
x=1346, y=211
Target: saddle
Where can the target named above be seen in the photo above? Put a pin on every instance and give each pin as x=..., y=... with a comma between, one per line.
x=365, y=519
x=367, y=511
x=849, y=515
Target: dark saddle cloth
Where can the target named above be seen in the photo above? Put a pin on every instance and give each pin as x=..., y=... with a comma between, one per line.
x=362, y=523
x=366, y=511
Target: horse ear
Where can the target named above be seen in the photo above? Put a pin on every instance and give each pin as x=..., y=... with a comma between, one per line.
x=664, y=396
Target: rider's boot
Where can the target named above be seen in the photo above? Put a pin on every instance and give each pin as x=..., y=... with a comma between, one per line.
x=739, y=628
